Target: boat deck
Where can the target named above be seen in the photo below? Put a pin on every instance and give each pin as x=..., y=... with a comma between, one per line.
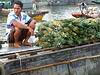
x=5, y=50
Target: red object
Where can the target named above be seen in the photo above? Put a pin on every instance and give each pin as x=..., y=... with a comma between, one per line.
x=80, y=15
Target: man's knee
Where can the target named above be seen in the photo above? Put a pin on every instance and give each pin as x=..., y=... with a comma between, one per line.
x=32, y=24
x=17, y=30
x=34, y=21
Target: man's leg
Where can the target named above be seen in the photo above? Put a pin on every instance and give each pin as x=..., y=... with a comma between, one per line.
x=32, y=25
x=14, y=35
x=17, y=35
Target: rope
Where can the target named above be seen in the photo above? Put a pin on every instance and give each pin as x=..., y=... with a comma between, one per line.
x=17, y=54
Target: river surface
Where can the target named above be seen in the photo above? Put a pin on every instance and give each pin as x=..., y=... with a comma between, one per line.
x=55, y=12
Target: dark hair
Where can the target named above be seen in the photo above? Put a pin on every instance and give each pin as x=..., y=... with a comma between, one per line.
x=19, y=3
x=83, y=4
x=2, y=3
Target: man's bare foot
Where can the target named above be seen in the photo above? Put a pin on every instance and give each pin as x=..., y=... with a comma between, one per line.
x=17, y=46
x=27, y=44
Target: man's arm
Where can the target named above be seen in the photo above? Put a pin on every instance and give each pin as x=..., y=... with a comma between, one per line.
x=75, y=5
x=21, y=26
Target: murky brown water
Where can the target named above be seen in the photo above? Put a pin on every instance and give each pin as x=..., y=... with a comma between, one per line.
x=55, y=12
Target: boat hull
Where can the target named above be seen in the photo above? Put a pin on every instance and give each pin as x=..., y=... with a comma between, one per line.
x=38, y=17
x=80, y=15
x=81, y=60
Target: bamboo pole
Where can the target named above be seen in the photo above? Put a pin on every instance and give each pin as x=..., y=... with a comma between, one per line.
x=60, y=63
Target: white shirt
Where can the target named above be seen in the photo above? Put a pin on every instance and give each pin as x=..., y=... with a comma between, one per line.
x=12, y=17
x=34, y=6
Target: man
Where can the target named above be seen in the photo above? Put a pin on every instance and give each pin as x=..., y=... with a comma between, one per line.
x=2, y=6
x=34, y=7
x=84, y=6
x=17, y=30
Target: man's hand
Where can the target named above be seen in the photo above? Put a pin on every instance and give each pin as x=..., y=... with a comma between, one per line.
x=31, y=31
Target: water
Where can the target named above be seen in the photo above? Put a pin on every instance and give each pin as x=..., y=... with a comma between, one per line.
x=55, y=12
x=58, y=12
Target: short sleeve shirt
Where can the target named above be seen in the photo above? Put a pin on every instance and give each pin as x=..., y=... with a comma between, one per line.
x=34, y=6
x=12, y=17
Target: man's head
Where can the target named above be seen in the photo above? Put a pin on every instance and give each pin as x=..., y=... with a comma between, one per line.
x=19, y=3
x=18, y=7
x=34, y=2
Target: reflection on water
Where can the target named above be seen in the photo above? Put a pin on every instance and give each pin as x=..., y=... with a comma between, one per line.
x=55, y=12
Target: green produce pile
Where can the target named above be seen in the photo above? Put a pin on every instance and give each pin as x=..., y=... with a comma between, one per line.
x=67, y=32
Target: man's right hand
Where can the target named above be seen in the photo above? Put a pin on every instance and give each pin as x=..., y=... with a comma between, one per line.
x=31, y=31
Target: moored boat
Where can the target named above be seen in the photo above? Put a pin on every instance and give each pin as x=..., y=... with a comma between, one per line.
x=97, y=2
x=38, y=15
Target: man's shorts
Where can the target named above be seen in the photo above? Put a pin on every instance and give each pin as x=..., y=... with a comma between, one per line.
x=11, y=38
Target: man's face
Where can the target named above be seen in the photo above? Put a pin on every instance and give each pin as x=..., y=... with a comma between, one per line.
x=17, y=9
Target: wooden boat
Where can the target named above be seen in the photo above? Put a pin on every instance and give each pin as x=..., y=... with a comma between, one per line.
x=36, y=16
x=80, y=15
x=97, y=2
x=76, y=60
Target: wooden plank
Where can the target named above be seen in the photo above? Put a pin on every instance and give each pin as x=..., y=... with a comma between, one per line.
x=10, y=52
x=33, y=72
x=40, y=71
x=62, y=69
x=54, y=70
x=86, y=67
x=65, y=69
x=47, y=71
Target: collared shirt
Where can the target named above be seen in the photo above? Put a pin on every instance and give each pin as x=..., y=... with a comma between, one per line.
x=25, y=19
x=85, y=6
